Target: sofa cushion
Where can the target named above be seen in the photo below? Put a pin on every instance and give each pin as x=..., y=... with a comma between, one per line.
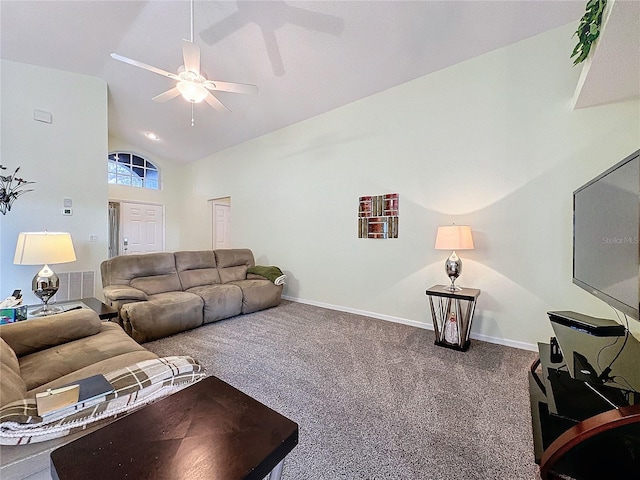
x=232, y=257
x=37, y=334
x=123, y=292
x=8, y=357
x=197, y=268
x=45, y=366
x=151, y=272
x=106, y=365
x=162, y=315
x=231, y=274
x=258, y=294
x=220, y=301
x=155, y=284
x=122, y=269
x=12, y=386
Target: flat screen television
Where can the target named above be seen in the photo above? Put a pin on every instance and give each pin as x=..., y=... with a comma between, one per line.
x=606, y=227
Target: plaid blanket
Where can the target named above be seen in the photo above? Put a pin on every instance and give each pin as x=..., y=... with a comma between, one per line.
x=133, y=387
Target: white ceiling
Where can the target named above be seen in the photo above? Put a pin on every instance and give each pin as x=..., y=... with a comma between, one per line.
x=305, y=57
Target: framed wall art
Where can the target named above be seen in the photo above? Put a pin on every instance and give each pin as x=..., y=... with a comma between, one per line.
x=378, y=216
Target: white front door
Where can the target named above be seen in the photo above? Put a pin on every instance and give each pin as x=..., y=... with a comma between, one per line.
x=142, y=228
x=221, y=226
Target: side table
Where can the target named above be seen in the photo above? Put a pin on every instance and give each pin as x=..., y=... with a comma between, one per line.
x=104, y=311
x=452, y=314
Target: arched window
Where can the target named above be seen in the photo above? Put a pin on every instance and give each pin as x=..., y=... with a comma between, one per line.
x=132, y=170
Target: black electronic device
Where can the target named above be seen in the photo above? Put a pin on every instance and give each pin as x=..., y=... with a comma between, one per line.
x=599, y=327
x=583, y=370
x=17, y=294
x=556, y=353
x=606, y=227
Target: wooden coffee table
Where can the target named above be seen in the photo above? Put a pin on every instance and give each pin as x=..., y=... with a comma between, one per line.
x=209, y=430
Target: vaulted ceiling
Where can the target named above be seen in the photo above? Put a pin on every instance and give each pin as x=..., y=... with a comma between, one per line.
x=306, y=57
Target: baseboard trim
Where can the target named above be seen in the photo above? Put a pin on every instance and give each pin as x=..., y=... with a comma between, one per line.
x=413, y=323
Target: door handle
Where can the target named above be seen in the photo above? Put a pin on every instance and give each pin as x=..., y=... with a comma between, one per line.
x=125, y=241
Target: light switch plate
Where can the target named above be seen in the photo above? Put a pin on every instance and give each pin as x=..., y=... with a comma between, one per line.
x=42, y=116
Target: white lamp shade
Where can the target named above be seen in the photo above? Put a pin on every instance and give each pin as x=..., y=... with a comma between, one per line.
x=454, y=237
x=38, y=248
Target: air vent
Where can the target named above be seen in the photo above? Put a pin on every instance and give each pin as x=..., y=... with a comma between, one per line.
x=75, y=285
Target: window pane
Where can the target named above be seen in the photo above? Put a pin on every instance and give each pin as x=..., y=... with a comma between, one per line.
x=124, y=158
x=132, y=170
x=120, y=180
x=152, y=184
x=122, y=170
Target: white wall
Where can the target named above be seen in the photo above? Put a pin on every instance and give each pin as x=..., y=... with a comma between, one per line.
x=66, y=159
x=169, y=194
x=491, y=142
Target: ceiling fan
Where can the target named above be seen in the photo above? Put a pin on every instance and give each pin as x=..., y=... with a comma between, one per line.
x=192, y=84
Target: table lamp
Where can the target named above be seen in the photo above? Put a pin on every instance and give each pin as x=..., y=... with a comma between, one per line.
x=36, y=248
x=454, y=237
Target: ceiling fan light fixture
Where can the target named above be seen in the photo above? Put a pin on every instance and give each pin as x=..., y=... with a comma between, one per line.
x=192, y=92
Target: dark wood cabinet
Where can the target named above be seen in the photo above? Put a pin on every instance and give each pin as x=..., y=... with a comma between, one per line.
x=585, y=405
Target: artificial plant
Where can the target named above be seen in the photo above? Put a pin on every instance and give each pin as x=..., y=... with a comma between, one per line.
x=588, y=29
x=11, y=187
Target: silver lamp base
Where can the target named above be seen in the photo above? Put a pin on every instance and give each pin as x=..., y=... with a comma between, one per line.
x=45, y=285
x=453, y=267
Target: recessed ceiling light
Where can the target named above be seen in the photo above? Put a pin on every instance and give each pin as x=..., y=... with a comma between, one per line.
x=151, y=136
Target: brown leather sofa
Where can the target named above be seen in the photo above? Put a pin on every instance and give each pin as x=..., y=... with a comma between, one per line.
x=160, y=294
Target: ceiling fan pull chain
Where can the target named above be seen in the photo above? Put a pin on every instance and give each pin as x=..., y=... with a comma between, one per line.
x=193, y=122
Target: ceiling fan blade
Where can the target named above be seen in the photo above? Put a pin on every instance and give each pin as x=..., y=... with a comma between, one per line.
x=166, y=96
x=230, y=87
x=215, y=103
x=135, y=63
x=191, y=56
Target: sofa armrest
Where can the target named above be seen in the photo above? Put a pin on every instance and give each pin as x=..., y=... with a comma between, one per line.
x=116, y=296
x=118, y=293
x=29, y=336
x=134, y=386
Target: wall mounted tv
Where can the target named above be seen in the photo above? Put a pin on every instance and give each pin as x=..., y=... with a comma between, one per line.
x=606, y=226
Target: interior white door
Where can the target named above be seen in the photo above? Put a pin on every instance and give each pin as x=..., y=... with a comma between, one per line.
x=222, y=226
x=142, y=228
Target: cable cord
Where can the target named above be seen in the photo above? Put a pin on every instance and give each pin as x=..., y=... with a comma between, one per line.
x=604, y=376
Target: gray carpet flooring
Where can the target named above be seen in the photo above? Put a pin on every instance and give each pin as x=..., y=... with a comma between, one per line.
x=374, y=399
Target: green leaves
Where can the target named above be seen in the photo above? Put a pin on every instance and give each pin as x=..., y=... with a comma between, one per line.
x=588, y=30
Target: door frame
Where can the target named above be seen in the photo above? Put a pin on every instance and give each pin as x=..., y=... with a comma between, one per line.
x=139, y=202
x=225, y=201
